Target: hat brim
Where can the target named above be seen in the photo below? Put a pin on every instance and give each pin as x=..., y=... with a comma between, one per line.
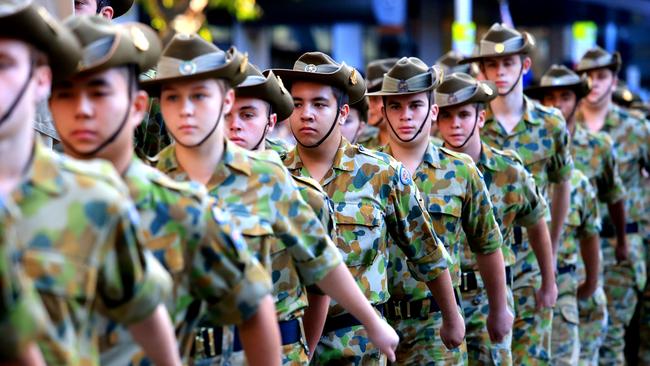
x=525, y=49
x=479, y=96
x=281, y=104
x=580, y=89
x=381, y=93
x=614, y=65
x=121, y=7
x=354, y=92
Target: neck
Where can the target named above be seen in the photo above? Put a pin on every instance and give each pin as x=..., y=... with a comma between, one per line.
x=200, y=162
x=384, y=134
x=594, y=114
x=319, y=159
x=122, y=162
x=508, y=109
x=410, y=154
x=472, y=147
x=19, y=148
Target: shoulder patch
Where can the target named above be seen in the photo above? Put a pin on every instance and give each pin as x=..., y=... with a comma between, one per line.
x=405, y=176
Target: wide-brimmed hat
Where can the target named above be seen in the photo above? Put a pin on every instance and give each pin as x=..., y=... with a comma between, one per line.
x=31, y=23
x=461, y=88
x=320, y=68
x=501, y=40
x=623, y=96
x=267, y=87
x=409, y=75
x=120, y=7
x=189, y=57
x=362, y=107
x=450, y=63
x=106, y=44
x=598, y=58
x=560, y=77
x=375, y=71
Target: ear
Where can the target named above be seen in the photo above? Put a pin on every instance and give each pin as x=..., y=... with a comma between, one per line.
x=228, y=101
x=43, y=82
x=343, y=114
x=107, y=12
x=434, y=111
x=528, y=63
x=481, y=118
x=140, y=107
x=615, y=82
x=273, y=119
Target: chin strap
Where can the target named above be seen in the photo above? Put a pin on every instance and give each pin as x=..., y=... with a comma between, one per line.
x=214, y=127
x=20, y=95
x=266, y=129
x=521, y=72
x=602, y=97
x=338, y=112
x=471, y=134
x=426, y=119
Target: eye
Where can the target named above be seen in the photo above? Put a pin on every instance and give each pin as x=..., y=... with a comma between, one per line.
x=62, y=94
x=297, y=104
x=170, y=97
x=199, y=96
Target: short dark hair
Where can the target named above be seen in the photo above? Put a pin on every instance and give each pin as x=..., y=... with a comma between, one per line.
x=340, y=96
x=101, y=4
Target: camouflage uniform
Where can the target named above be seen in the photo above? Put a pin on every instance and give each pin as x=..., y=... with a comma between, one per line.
x=459, y=205
x=208, y=261
x=22, y=315
x=373, y=196
x=517, y=202
x=369, y=138
x=542, y=141
x=582, y=222
x=594, y=155
x=277, y=225
x=622, y=281
x=85, y=259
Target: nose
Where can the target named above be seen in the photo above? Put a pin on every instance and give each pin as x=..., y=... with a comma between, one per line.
x=306, y=113
x=187, y=108
x=234, y=122
x=84, y=107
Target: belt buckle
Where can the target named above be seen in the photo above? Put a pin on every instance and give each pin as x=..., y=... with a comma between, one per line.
x=408, y=310
x=211, y=345
x=463, y=281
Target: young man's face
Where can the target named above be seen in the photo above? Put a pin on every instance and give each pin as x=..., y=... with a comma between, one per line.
x=191, y=109
x=89, y=109
x=505, y=71
x=562, y=99
x=374, y=110
x=89, y=7
x=406, y=113
x=314, y=111
x=603, y=82
x=15, y=60
x=352, y=126
x=248, y=122
x=456, y=123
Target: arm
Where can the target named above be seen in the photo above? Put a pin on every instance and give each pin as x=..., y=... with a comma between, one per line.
x=541, y=244
x=499, y=321
x=155, y=334
x=31, y=356
x=260, y=336
x=617, y=215
x=589, y=250
x=342, y=287
x=453, y=326
x=314, y=319
x=559, y=211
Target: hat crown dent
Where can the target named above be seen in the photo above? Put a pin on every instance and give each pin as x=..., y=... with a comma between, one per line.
x=460, y=88
x=188, y=47
x=377, y=68
x=408, y=67
x=559, y=75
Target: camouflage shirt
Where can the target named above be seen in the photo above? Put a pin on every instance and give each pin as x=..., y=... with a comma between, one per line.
x=369, y=138
x=78, y=229
x=514, y=195
x=276, y=222
x=194, y=240
x=374, y=197
x=457, y=201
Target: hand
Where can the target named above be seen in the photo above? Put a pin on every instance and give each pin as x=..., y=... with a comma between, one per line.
x=499, y=323
x=546, y=296
x=452, y=331
x=622, y=250
x=586, y=290
x=384, y=337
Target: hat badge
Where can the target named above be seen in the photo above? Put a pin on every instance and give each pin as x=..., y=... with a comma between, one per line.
x=187, y=67
x=499, y=48
x=311, y=68
x=139, y=39
x=627, y=96
x=402, y=86
x=452, y=98
x=486, y=89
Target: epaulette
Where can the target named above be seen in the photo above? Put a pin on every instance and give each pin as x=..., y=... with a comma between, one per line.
x=509, y=153
x=309, y=182
x=194, y=190
x=267, y=156
x=455, y=154
x=374, y=154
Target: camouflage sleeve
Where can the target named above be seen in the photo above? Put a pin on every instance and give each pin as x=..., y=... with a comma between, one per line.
x=479, y=224
x=561, y=163
x=645, y=146
x=609, y=184
x=409, y=225
x=590, y=223
x=313, y=251
x=131, y=282
x=225, y=274
x=533, y=206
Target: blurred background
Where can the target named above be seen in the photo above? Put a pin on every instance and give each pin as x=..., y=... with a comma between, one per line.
x=276, y=32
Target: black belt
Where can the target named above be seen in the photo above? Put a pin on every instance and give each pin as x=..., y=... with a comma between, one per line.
x=566, y=269
x=333, y=323
x=209, y=340
x=469, y=282
x=609, y=231
x=397, y=310
x=519, y=235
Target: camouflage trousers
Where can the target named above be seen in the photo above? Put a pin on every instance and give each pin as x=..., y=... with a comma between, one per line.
x=347, y=346
x=531, y=331
x=420, y=343
x=593, y=326
x=480, y=350
x=622, y=283
x=565, y=337
x=644, y=326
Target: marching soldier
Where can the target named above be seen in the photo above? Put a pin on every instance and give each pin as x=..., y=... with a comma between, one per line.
x=457, y=201
x=624, y=275
x=375, y=135
x=76, y=227
x=374, y=199
x=538, y=135
x=517, y=202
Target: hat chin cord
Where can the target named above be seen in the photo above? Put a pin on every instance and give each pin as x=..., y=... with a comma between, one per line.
x=426, y=118
x=207, y=136
x=471, y=134
x=266, y=129
x=521, y=72
x=338, y=113
x=20, y=95
x=602, y=97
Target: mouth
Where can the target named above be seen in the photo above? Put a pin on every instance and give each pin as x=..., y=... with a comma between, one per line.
x=501, y=84
x=84, y=135
x=187, y=128
x=406, y=129
x=236, y=139
x=308, y=131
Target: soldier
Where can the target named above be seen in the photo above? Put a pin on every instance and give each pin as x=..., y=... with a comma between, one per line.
x=538, y=135
x=194, y=83
x=517, y=202
x=631, y=137
x=457, y=205
x=357, y=121
x=593, y=154
x=180, y=221
x=76, y=227
x=375, y=135
x=450, y=63
x=374, y=199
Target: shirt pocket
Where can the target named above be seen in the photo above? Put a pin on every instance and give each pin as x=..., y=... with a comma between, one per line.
x=359, y=233
x=445, y=212
x=260, y=238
